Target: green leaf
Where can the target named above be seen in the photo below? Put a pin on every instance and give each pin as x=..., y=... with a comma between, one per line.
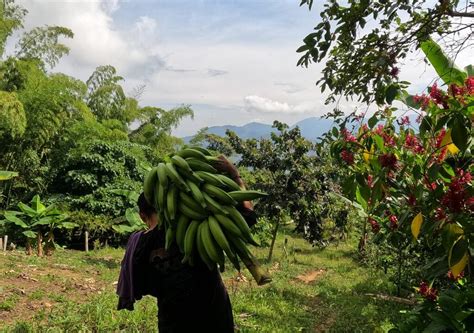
x=372, y=121
x=391, y=93
x=302, y=48
x=27, y=209
x=29, y=234
x=443, y=65
x=360, y=198
x=37, y=205
x=459, y=134
x=379, y=142
x=458, y=251
x=6, y=175
x=407, y=99
x=69, y=225
x=133, y=217
x=469, y=70
x=11, y=217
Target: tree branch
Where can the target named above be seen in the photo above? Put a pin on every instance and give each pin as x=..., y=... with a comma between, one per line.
x=459, y=14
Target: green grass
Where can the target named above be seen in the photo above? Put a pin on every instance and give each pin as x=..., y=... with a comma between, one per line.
x=335, y=301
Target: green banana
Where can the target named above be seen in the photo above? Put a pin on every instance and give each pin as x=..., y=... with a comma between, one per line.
x=202, y=251
x=149, y=185
x=198, y=165
x=175, y=177
x=191, y=202
x=160, y=197
x=171, y=202
x=242, y=224
x=229, y=225
x=170, y=236
x=219, y=194
x=191, y=175
x=247, y=195
x=202, y=150
x=214, y=206
x=229, y=183
x=181, y=228
x=190, y=152
x=196, y=193
x=210, y=178
x=212, y=248
x=190, y=241
x=220, y=238
x=189, y=212
x=181, y=163
x=162, y=176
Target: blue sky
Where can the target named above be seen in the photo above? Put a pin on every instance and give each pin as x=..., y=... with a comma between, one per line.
x=232, y=61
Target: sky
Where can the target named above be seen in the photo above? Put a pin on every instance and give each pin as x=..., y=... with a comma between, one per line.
x=232, y=61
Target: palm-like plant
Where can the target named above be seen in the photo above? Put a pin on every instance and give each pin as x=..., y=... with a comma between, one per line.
x=37, y=220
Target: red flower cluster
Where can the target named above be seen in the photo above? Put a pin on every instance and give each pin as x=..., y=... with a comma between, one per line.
x=411, y=142
x=423, y=100
x=393, y=222
x=403, y=121
x=438, y=96
x=427, y=292
x=389, y=161
x=470, y=85
x=387, y=138
x=375, y=226
x=348, y=137
x=457, y=196
x=347, y=156
x=452, y=278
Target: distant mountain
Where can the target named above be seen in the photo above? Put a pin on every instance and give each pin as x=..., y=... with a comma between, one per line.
x=311, y=128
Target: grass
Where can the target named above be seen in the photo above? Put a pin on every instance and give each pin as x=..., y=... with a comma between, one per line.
x=312, y=291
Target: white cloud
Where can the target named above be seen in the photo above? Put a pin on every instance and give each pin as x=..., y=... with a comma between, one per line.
x=266, y=105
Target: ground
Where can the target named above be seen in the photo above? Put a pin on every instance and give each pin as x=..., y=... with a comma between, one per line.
x=313, y=290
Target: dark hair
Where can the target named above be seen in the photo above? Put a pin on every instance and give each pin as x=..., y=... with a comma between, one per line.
x=144, y=206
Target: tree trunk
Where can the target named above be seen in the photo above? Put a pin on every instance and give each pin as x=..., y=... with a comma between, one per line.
x=49, y=246
x=29, y=249
x=275, y=232
x=39, y=245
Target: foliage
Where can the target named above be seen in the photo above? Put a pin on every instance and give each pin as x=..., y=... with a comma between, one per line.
x=12, y=116
x=286, y=167
x=362, y=42
x=36, y=220
x=416, y=186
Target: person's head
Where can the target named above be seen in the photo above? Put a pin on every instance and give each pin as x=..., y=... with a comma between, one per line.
x=147, y=212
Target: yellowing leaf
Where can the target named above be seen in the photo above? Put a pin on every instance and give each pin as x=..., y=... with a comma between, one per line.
x=368, y=155
x=457, y=268
x=448, y=143
x=416, y=225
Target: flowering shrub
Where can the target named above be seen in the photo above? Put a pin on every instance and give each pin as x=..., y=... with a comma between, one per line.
x=413, y=180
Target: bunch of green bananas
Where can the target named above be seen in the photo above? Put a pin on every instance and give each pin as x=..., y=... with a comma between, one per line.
x=197, y=207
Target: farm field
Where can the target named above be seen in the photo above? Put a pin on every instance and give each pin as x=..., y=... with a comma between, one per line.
x=312, y=291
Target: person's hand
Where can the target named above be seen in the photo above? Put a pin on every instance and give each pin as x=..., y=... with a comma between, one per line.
x=225, y=166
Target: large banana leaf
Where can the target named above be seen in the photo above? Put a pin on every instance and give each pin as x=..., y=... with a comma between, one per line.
x=13, y=218
x=443, y=65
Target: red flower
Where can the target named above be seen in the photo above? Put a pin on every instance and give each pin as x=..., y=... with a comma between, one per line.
x=470, y=85
x=456, y=90
x=440, y=214
x=411, y=142
x=388, y=160
x=438, y=96
x=456, y=198
x=411, y=200
x=440, y=137
x=393, y=222
x=419, y=118
x=428, y=292
x=348, y=137
x=452, y=278
x=404, y=121
x=369, y=181
x=423, y=100
x=347, y=156
x=375, y=226
x=394, y=72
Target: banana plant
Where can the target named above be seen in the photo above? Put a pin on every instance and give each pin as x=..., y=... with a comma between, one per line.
x=6, y=175
x=36, y=220
x=131, y=222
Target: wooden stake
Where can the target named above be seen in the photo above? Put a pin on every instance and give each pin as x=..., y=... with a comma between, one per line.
x=87, y=241
x=1, y=244
x=5, y=242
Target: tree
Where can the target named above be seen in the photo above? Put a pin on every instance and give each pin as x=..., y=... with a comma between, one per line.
x=287, y=168
x=11, y=19
x=363, y=42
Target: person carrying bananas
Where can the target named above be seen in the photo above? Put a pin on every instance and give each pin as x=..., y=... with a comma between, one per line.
x=190, y=298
